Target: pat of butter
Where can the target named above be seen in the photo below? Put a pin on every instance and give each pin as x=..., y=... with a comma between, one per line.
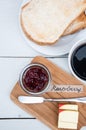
x=66, y=125
x=68, y=107
x=68, y=116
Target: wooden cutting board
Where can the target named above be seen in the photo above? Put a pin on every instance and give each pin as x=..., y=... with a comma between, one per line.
x=48, y=112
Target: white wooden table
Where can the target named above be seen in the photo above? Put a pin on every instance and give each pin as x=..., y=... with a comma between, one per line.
x=14, y=55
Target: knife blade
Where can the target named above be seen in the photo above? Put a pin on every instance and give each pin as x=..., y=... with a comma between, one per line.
x=33, y=100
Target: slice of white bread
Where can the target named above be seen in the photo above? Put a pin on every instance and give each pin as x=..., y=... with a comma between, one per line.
x=78, y=24
x=44, y=21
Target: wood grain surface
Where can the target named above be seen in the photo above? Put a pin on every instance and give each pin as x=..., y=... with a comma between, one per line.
x=48, y=112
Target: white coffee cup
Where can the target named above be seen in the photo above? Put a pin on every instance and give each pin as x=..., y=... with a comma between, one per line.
x=71, y=53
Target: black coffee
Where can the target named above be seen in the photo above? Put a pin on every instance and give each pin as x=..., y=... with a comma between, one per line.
x=78, y=61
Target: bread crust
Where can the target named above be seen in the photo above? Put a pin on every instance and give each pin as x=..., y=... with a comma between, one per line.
x=29, y=36
x=78, y=24
x=47, y=43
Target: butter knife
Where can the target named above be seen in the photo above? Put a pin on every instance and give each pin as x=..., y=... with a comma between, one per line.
x=32, y=100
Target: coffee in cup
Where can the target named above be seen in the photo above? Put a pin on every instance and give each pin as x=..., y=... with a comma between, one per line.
x=77, y=60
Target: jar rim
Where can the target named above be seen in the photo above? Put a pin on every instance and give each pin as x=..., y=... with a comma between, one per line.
x=32, y=65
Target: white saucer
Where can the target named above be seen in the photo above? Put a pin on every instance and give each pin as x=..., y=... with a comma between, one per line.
x=62, y=47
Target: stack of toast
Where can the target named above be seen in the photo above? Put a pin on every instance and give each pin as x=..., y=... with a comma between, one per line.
x=45, y=21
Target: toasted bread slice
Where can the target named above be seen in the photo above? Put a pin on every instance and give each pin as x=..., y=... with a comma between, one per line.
x=78, y=24
x=44, y=21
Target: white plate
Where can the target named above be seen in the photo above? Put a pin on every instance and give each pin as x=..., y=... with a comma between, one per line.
x=62, y=47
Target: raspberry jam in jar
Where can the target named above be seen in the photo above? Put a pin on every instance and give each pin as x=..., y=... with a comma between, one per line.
x=35, y=78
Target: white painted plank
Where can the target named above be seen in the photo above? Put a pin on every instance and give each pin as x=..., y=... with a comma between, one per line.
x=9, y=74
x=22, y=125
x=83, y=128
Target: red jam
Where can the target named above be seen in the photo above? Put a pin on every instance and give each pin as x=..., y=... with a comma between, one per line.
x=35, y=79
